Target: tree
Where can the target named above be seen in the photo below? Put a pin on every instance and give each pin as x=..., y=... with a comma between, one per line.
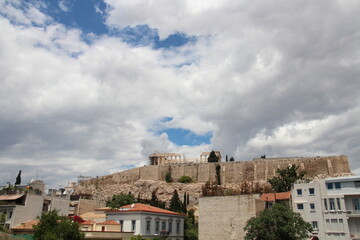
x=18, y=178
x=184, y=204
x=218, y=177
x=232, y=159
x=277, y=223
x=121, y=200
x=175, y=203
x=212, y=157
x=286, y=178
x=185, y=179
x=138, y=237
x=168, y=177
x=55, y=227
x=190, y=226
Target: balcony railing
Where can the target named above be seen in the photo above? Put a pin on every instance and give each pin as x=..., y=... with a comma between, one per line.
x=353, y=213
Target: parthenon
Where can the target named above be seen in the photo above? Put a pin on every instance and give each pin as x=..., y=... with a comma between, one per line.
x=167, y=158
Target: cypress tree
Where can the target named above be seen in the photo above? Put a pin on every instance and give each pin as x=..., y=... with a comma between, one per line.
x=175, y=203
x=18, y=179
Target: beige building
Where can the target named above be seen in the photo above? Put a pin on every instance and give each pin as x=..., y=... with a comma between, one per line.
x=225, y=217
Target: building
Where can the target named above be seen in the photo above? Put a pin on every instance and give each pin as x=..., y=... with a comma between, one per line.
x=148, y=221
x=168, y=158
x=20, y=208
x=331, y=205
x=224, y=217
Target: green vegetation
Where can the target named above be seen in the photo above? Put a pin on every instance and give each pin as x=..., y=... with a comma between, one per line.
x=191, y=228
x=212, y=157
x=168, y=177
x=121, y=200
x=277, y=223
x=138, y=237
x=175, y=203
x=185, y=179
x=286, y=178
x=55, y=227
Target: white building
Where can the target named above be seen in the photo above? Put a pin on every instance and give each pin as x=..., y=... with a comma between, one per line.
x=331, y=205
x=148, y=221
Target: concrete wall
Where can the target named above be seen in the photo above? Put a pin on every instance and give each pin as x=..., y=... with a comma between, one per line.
x=31, y=210
x=61, y=205
x=225, y=217
x=88, y=205
x=232, y=172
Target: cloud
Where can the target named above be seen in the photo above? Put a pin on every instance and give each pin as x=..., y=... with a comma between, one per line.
x=277, y=78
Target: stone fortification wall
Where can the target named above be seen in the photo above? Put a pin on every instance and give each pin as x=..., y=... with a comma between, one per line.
x=233, y=172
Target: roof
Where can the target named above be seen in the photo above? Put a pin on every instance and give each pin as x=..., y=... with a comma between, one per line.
x=10, y=197
x=110, y=222
x=27, y=225
x=102, y=209
x=343, y=179
x=139, y=207
x=271, y=197
x=90, y=215
x=87, y=222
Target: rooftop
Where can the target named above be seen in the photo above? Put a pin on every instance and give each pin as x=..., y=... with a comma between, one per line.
x=272, y=197
x=139, y=207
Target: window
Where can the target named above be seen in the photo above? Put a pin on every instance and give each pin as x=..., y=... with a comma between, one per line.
x=341, y=225
x=299, y=192
x=356, y=204
x=10, y=214
x=163, y=227
x=103, y=228
x=121, y=225
x=332, y=203
x=338, y=203
x=329, y=186
x=325, y=204
x=133, y=225
x=312, y=206
x=337, y=185
x=328, y=225
x=357, y=184
x=178, y=227
x=311, y=191
x=300, y=206
x=314, y=224
x=170, y=227
x=148, y=226
x=157, y=226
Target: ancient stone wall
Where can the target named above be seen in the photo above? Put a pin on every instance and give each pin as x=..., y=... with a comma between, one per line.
x=235, y=172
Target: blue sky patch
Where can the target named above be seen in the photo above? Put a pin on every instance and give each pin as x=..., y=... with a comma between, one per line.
x=90, y=17
x=181, y=136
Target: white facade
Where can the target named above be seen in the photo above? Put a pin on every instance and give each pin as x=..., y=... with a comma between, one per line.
x=332, y=206
x=149, y=224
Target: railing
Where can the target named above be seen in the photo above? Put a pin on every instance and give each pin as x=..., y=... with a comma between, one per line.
x=353, y=212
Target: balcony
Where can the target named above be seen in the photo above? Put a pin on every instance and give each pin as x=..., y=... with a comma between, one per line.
x=353, y=213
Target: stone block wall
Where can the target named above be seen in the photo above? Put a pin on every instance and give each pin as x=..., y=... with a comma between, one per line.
x=235, y=172
x=225, y=217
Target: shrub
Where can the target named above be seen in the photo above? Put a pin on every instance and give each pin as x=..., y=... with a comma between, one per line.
x=185, y=179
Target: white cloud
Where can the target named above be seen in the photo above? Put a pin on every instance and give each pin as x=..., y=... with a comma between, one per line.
x=278, y=78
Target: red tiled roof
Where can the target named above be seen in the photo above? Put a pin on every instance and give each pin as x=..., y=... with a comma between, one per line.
x=139, y=207
x=87, y=222
x=271, y=197
x=110, y=222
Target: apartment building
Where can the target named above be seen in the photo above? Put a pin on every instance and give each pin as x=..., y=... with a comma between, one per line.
x=331, y=205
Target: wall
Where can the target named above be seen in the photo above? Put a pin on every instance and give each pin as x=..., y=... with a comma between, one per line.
x=232, y=172
x=88, y=205
x=31, y=210
x=225, y=217
x=61, y=205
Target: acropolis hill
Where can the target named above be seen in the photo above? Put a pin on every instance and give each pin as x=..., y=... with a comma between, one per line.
x=145, y=179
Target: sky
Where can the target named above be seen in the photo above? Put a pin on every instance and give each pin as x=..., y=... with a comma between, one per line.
x=92, y=87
